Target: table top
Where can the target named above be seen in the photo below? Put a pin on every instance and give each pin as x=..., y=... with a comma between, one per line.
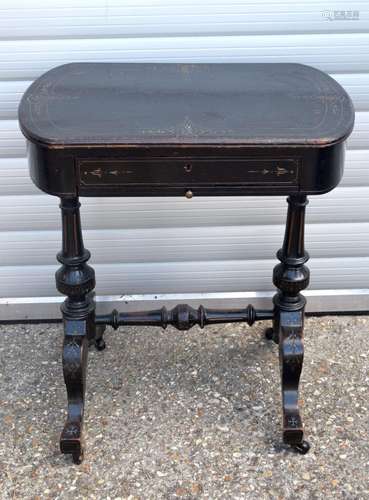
x=84, y=104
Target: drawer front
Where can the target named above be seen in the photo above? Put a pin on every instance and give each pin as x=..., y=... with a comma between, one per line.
x=187, y=172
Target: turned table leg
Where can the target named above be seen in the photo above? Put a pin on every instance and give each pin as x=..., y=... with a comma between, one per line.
x=290, y=277
x=76, y=279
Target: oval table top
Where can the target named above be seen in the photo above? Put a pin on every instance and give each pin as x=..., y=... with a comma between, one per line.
x=134, y=103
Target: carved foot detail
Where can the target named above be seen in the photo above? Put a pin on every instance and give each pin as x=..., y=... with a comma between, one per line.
x=70, y=441
x=292, y=428
x=291, y=354
x=75, y=350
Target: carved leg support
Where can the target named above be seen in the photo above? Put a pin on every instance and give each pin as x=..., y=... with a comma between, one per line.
x=290, y=277
x=75, y=279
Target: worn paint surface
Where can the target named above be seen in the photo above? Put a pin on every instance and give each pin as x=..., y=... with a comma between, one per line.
x=113, y=103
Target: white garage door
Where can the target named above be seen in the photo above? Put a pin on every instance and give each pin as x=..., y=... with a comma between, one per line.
x=171, y=250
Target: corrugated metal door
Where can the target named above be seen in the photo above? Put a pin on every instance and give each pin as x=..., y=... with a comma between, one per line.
x=206, y=248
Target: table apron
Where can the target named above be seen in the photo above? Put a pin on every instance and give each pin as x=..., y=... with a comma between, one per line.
x=182, y=174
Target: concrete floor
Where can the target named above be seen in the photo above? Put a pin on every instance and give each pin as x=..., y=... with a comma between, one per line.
x=186, y=415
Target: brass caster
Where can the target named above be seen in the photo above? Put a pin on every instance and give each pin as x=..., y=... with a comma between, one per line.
x=302, y=448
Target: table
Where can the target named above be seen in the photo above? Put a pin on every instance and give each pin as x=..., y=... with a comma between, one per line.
x=116, y=129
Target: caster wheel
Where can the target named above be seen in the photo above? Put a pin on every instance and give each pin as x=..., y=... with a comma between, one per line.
x=100, y=344
x=302, y=448
x=77, y=458
x=269, y=333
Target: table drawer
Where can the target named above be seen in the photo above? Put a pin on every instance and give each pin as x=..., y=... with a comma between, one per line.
x=187, y=172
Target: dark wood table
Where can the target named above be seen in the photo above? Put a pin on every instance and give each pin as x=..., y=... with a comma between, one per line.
x=111, y=129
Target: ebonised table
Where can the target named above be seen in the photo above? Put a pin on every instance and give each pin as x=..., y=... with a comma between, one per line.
x=112, y=129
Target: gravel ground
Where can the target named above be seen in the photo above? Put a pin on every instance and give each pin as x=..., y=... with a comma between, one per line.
x=186, y=415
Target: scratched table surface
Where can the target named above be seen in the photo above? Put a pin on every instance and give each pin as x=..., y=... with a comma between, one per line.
x=119, y=103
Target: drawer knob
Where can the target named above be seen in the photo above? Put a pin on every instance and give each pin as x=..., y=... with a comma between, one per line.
x=189, y=194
